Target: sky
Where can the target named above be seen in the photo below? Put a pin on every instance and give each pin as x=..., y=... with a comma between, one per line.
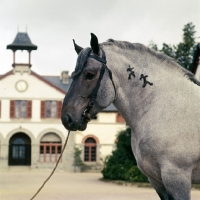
x=52, y=24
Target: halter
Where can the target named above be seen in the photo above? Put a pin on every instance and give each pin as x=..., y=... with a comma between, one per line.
x=93, y=95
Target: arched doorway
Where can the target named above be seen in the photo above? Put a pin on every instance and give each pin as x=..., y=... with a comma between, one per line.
x=19, y=149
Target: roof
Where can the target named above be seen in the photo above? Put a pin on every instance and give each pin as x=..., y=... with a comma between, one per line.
x=22, y=42
x=110, y=108
x=196, y=59
x=55, y=80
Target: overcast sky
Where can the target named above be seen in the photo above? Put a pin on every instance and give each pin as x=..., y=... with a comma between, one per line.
x=52, y=24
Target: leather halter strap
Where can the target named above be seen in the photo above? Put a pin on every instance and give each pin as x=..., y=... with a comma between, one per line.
x=93, y=95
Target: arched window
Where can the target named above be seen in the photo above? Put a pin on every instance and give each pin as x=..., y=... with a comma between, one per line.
x=90, y=150
x=50, y=147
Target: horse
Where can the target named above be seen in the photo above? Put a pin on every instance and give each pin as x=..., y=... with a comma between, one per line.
x=159, y=100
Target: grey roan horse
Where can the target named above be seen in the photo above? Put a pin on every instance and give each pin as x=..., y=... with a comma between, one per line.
x=159, y=100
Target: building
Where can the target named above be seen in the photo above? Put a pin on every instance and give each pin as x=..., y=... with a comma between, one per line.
x=31, y=132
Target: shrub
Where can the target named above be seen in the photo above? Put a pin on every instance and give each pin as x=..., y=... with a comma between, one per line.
x=134, y=175
x=121, y=165
x=78, y=162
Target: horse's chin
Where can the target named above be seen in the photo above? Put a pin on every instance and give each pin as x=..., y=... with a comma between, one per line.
x=82, y=126
x=75, y=125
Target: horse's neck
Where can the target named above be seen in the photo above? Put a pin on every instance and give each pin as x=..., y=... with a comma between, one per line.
x=136, y=96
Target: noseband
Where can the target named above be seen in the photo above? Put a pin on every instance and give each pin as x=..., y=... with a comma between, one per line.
x=93, y=95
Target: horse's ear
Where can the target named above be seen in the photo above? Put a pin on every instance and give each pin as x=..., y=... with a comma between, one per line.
x=77, y=48
x=94, y=44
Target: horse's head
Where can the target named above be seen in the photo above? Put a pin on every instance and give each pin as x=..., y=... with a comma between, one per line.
x=92, y=88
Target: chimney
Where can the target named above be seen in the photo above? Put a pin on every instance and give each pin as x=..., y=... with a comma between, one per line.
x=64, y=77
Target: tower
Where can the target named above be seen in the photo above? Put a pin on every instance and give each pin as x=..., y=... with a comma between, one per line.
x=22, y=42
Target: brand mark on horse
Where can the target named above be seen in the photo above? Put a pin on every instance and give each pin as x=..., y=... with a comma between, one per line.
x=145, y=80
x=132, y=73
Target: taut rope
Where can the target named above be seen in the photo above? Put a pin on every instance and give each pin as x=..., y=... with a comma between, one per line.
x=53, y=168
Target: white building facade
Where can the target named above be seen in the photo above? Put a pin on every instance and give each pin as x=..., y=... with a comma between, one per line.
x=31, y=132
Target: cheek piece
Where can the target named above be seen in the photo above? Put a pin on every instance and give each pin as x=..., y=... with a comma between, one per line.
x=86, y=114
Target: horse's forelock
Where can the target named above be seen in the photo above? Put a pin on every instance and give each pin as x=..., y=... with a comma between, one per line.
x=82, y=58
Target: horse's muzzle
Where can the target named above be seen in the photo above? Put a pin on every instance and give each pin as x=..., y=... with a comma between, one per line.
x=71, y=124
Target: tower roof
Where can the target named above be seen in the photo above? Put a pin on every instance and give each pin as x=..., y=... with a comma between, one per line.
x=22, y=42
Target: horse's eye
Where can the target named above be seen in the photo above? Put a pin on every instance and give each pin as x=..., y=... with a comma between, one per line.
x=89, y=76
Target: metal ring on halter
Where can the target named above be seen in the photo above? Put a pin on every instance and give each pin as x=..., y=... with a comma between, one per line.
x=90, y=104
x=86, y=115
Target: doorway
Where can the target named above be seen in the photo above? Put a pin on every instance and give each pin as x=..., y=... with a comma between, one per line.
x=19, y=149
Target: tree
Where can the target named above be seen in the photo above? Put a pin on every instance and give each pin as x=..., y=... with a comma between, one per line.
x=121, y=165
x=184, y=51
x=168, y=50
x=153, y=46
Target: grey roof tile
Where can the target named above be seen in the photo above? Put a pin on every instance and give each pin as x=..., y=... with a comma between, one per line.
x=22, y=42
x=55, y=80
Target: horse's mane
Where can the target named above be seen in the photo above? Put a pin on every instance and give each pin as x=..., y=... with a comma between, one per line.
x=137, y=46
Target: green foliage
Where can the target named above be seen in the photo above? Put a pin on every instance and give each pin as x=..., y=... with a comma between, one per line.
x=121, y=165
x=78, y=162
x=184, y=51
x=153, y=46
x=134, y=175
x=168, y=50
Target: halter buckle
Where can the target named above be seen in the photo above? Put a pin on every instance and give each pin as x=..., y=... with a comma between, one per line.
x=86, y=115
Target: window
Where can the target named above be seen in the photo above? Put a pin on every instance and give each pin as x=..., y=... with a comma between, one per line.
x=50, y=148
x=90, y=150
x=51, y=109
x=18, y=150
x=20, y=109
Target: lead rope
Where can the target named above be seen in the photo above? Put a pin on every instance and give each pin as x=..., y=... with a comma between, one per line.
x=53, y=168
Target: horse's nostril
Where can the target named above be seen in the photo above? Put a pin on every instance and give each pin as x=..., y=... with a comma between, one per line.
x=69, y=122
x=68, y=118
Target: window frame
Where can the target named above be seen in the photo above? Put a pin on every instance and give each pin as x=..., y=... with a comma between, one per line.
x=14, y=108
x=90, y=146
x=44, y=153
x=56, y=114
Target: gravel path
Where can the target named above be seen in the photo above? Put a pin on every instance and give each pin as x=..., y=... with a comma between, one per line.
x=70, y=186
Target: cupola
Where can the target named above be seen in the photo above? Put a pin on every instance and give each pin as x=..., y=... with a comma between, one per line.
x=22, y=42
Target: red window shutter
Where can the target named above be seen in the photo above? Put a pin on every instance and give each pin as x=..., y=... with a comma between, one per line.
x=43, y=109
x=59, y=108
x=12, y=109
x=29, y=109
